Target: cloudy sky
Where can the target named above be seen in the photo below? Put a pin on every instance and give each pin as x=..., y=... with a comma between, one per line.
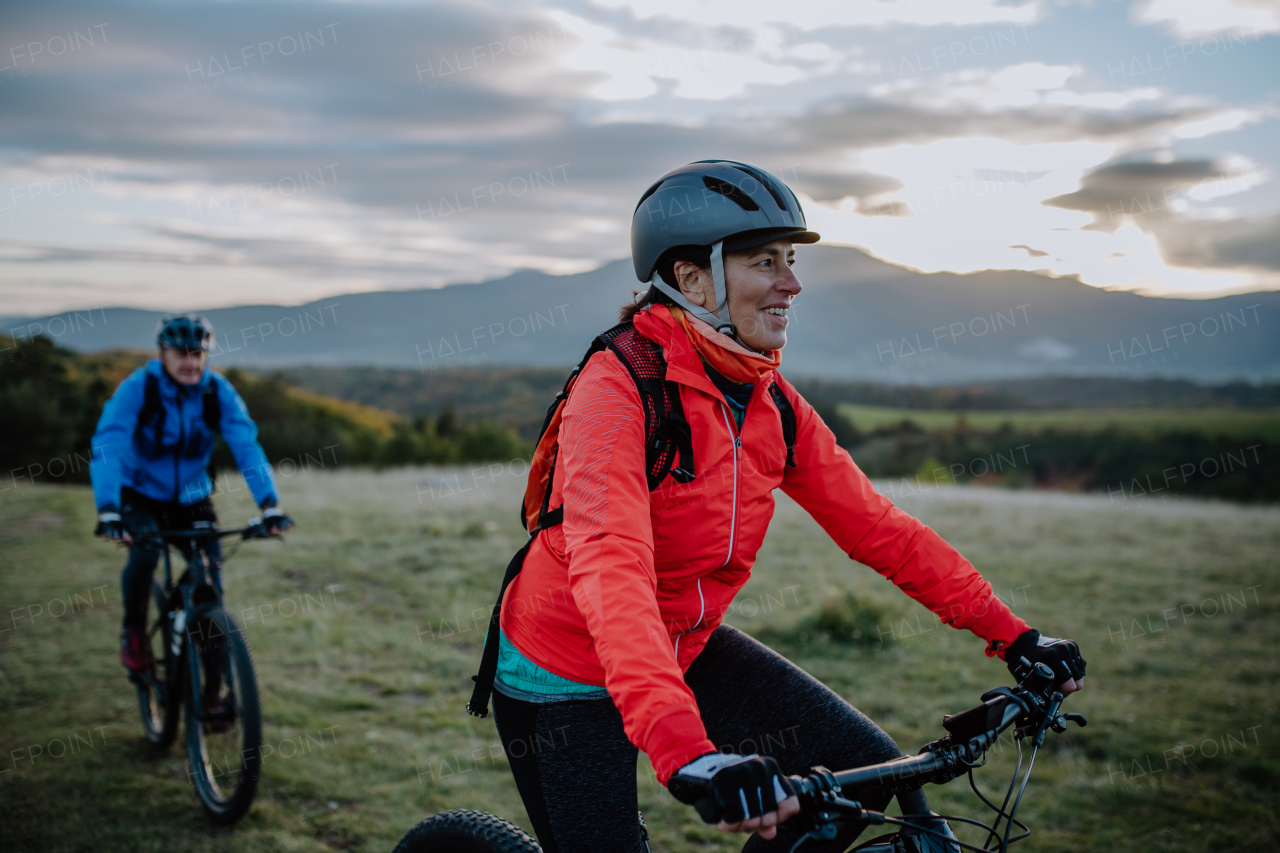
x=183, y=155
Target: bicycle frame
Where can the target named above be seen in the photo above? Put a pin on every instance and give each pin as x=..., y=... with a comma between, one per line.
x=199, y=596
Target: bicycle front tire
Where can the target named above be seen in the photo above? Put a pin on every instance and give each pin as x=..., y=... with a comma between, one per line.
x=159, y=687
x=224, y=765
x=466, y=831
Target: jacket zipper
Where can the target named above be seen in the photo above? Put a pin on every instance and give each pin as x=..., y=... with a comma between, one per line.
x=702, y=611
x=733, y=526
x=737, y=447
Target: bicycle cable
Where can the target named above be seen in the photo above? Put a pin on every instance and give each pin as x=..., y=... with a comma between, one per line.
x=974, y=786
x=994, y=831
x=949, y=839
x=1014, y=810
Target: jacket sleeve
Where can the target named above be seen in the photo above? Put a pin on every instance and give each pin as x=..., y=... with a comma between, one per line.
x=241, y=435
x=112, y=438
x=870, y=529
x=609, y=544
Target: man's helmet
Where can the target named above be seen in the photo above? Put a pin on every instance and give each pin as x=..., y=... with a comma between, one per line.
x=723, y=204
x=185, y=331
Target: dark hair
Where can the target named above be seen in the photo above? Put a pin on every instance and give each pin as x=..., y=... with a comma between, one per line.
x=699, y=256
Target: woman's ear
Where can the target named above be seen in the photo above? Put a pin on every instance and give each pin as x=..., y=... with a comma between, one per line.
x=693, y=281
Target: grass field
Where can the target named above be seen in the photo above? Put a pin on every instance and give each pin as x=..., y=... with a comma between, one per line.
x=365, y=626
x=1242, y=423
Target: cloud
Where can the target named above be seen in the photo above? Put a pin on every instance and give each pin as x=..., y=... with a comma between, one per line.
x=811, y=14
x=1144, y=191
x=1161, y=198
x=1034, y=253
x=1191, y=19
x=462, y=141
x=1237, y=243
x=834, y=186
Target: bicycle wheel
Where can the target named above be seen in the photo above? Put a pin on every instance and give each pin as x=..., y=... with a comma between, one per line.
x=224, y=747
x=466, y=831
x=159, y=689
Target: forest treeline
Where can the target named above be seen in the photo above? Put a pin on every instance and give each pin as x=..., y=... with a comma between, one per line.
x=50, y=399
x=1123, y=464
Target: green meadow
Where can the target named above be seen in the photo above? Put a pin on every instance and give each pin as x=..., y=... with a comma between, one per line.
x=1241, y=423
x=365, y=626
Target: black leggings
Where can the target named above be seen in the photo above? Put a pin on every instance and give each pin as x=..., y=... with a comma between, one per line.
x=576, y=770
x=142, y=514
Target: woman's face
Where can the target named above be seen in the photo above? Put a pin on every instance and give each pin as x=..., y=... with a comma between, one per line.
x=761, y=286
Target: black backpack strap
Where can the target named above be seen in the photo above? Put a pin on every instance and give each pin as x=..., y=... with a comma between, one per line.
x=788, y=414
x=213, y=409
x=152, y=411
x=666, y=434
x=479, y=704
x=669, y=438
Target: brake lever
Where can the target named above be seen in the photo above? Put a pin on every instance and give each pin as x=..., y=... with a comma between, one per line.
x=1059, y=723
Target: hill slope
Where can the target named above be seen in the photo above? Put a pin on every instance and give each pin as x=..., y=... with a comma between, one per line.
x=858, y=318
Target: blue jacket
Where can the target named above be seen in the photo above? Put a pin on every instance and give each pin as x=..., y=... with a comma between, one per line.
x=174, y=468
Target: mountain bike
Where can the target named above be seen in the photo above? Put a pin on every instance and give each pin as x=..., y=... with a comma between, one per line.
x=200, y=659
x=827, y=798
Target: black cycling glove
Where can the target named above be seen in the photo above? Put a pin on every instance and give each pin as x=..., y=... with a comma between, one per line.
x=110, y=524
x=1062, y=656
x=731, y=787
x=274, y=521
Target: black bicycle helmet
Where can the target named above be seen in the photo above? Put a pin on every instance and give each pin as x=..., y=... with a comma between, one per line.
x=723, y=204
x=185, y=331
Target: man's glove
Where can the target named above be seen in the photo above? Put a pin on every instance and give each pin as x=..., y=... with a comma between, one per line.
x=275, y=521
x=110, y=524
x=1062, y=656
x=731, y=787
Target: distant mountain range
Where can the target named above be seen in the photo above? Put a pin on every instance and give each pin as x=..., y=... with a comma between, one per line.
x=858, y=318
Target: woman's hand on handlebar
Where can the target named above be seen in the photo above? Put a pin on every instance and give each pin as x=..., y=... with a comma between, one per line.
x=1062, y=656
x=737, y=793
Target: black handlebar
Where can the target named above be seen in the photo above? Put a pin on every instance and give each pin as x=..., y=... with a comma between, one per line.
x=1033, y=706
x=249, y=531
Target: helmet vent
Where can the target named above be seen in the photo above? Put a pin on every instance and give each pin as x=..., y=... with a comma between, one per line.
x=730, y=192
x=653, y=189
x=768, y=184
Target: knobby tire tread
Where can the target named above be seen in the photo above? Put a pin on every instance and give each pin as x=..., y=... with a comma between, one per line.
x=238, y=805
x=466, y=831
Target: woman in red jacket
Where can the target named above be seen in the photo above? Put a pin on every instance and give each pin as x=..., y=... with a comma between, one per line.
x=611, y=637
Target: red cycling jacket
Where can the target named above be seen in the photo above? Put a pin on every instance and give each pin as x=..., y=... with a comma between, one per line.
x=626, y=592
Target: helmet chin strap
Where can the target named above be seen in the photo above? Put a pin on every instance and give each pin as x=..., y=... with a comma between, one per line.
x=725, y=326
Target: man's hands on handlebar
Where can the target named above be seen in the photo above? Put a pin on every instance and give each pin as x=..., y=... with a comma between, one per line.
x=111, y=526
x=274, y=521
x=737, y=793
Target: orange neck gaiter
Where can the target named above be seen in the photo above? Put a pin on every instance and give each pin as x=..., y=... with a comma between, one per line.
x=733, y=361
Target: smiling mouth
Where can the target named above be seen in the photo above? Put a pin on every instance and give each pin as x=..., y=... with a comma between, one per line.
x=777, y=312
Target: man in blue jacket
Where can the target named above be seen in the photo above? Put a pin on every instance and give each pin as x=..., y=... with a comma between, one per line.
x=150, y=461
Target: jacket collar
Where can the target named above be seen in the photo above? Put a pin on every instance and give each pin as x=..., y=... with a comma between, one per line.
x=684, y=365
